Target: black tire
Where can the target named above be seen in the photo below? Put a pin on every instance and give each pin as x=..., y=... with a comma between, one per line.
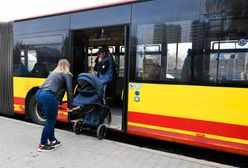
x=36, y=115
x=101, y=131
x=78, y=127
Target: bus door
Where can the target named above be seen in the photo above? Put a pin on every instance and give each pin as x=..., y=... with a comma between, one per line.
x=86, y=43
x=80, y=42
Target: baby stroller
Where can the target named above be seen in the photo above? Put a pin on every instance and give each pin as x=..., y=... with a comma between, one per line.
x=93, y=112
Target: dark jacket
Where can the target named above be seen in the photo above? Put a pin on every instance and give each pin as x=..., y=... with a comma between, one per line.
x=104, y=69
x=58, y=83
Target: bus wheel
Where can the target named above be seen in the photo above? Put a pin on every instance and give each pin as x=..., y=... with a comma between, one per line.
x=36, y=115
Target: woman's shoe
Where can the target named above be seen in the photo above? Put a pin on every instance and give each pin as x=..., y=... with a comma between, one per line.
x=45, y=148
x=55, y=143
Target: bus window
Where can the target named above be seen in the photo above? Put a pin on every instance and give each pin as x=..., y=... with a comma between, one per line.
x=38, y=56
x=228, y=61
x=28, y=60
x=225, y=60
x=39, y=60
x=32, y=59
x=179, y=60
x=163, y=52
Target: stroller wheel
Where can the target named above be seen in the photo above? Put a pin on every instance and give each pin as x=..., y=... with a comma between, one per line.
x=101, y=131
x=78, y=127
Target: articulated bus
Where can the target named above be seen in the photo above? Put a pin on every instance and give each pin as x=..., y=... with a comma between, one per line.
x=182, y=66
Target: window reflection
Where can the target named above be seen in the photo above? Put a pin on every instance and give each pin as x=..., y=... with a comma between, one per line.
x=28, y=60
x=38, y=61
x=228, y=61
x=164, y=47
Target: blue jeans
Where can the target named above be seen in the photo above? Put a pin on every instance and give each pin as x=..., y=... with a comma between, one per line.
x=49, y=106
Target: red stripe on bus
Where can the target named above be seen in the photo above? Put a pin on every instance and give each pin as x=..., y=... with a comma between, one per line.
x=19, y=101
x=19, y=112
x=198, y=126
x=63, y=118
x=190, y=140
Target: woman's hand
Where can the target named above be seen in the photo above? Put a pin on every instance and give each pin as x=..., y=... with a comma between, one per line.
x=76, y=108
x=100, y=59
x=73, y=109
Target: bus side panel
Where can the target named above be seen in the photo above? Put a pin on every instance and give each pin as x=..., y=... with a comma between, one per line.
x=196, y=115
x=22, y=86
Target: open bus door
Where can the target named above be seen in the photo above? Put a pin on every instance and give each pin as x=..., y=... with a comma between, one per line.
x=80, y=43
x=86, y=43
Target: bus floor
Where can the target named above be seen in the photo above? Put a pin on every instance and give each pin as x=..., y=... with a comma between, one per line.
x=116, y=114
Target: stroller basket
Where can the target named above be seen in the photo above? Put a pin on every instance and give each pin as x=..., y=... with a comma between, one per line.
x=92, y=114
x=96, y=116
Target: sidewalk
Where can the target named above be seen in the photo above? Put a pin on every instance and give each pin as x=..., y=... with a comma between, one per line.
x=18, y=150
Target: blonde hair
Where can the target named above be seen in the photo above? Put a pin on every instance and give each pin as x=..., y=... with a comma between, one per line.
x=63, y=66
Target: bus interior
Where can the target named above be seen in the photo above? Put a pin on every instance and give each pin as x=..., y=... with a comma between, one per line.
x=85, y=45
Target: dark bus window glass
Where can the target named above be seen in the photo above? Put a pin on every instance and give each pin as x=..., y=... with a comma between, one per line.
x=40, y=54
x=37, y=61
x=49, y=55
x=224, y=6
x=35, y=55
x=163, y=52
x=162, y=47
x=225, y=58
x=228, y=61
x=165, y=11
x=58, y=39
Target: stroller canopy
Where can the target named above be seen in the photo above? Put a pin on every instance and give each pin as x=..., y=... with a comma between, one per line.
x=90, y=89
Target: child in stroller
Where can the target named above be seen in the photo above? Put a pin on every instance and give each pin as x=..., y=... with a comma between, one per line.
x=93, y=111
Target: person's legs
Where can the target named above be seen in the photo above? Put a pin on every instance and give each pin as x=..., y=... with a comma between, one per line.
x=52, y=140
x=53, y=118
x=49, y=106
x=51, y=136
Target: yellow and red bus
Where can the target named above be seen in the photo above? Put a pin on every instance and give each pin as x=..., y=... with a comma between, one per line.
x=182, y=66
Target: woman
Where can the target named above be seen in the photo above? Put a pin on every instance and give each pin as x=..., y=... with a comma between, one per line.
x=48, y=96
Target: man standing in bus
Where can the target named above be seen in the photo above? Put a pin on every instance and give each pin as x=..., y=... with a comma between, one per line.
x=104, y=66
